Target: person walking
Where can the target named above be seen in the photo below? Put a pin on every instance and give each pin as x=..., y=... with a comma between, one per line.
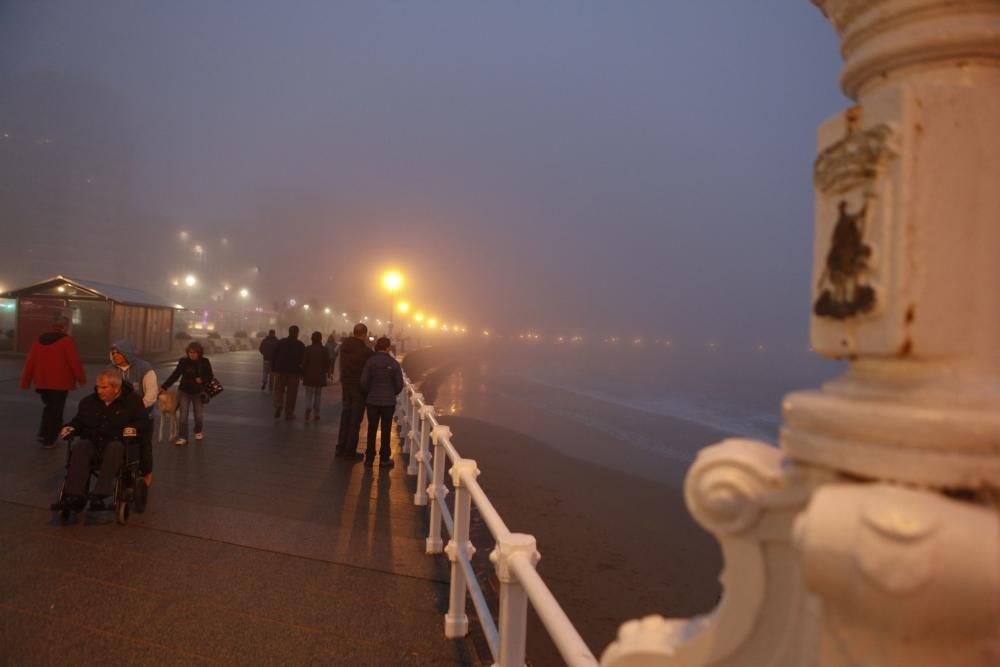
x=53, y=366
x=140, y=376
x=287, y=368
x=315, y=371
x=354, y=353
x=266, y=348
x=331, y=346
x=381, y=382
x=194, y=371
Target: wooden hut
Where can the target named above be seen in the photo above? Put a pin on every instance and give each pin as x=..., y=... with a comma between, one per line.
x=100, y=314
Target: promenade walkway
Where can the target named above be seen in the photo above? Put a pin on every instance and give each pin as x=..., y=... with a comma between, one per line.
x=258, y=547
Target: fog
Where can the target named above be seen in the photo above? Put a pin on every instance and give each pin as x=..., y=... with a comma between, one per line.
x=635, y=169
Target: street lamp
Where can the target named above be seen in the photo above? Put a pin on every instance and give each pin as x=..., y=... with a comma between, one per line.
x=244, y=293
x=392, y=281
x=190, y=281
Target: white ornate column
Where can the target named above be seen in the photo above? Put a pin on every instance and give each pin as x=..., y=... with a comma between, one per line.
x=892, y=471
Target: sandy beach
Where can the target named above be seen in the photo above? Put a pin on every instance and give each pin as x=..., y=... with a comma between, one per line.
x=615, y=537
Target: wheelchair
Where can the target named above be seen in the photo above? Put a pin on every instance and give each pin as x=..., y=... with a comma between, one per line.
x=129, y=490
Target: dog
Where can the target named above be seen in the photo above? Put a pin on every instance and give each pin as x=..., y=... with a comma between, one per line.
x=167, y=403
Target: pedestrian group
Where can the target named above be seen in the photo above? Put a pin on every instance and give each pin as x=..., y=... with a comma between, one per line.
x=119, y=414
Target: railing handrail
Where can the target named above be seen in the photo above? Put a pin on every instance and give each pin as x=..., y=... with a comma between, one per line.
x=514, y=556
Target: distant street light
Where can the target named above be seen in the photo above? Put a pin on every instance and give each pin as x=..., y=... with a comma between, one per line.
x=190, y=280
x=244, y=292
x=392, y=280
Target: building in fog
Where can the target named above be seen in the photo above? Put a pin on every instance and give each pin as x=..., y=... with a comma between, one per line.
x=100, y=314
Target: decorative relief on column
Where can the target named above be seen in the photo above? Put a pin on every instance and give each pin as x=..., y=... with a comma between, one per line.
x=858, y=178
x=851, y=165
x=907, y=577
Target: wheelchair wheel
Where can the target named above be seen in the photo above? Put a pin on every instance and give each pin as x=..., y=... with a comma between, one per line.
x=123, y=513
x=141, y=494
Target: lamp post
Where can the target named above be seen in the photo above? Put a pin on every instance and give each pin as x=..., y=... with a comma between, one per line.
x=244, y=293
x=402, y=307
x=190, y=281
x=392, y=281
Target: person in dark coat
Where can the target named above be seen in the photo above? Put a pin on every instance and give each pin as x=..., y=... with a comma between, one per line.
x=266, y=349
x=381, y=381
x=194, y=372
x=53, y=365
x=354, y=353
x=315, y=371
x=331, y=347
x=103, y=418
x=286, y=366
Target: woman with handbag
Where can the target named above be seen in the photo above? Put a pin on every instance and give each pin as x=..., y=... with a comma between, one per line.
x=195, y=373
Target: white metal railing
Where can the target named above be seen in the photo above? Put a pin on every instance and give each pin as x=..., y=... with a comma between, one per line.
x=514, y=556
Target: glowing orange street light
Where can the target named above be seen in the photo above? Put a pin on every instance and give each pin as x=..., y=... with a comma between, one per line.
x=392, y=281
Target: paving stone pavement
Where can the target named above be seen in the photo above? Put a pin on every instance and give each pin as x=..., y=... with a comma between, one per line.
x=258, y=547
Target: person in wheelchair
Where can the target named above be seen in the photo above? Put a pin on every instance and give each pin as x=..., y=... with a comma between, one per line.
x=103, y=419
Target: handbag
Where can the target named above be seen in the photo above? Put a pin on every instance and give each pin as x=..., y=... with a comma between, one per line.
x=213, y=388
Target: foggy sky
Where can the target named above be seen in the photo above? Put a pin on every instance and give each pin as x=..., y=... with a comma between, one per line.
x=564, y=166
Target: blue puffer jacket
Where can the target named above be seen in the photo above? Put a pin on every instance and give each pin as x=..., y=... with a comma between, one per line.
x=381, y=380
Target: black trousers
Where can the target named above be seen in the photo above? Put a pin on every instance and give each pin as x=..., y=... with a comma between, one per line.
x=286, y=392
x=146, y=448
x=80, y=460
x=352, y=411
x=379, y=414
x=54, y=402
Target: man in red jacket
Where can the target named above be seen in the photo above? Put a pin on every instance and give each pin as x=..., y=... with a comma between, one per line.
x=54, y=367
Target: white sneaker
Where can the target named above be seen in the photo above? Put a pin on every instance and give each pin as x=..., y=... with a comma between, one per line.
x=180, y=441
x=198, y=436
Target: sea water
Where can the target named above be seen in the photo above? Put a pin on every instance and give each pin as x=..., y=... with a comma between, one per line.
x=735, y=391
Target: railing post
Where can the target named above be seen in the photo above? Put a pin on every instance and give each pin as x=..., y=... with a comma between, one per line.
x=403, y=417
x=513, y=620
x=437, y=490
x=412, y=432
x=426, y=412
x=456, y=622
